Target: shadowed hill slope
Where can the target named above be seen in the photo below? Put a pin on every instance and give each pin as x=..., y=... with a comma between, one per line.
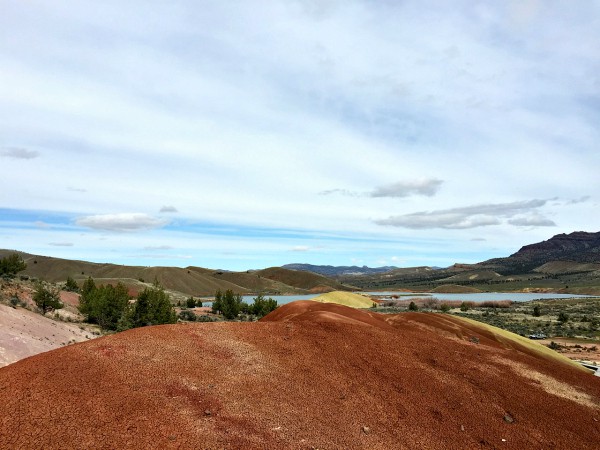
x=342, y=378
x=257, y=283
x=304, y=280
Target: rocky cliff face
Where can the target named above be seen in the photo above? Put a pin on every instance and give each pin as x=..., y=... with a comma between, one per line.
x=580, y=247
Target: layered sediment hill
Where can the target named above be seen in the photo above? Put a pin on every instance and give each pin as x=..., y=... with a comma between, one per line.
x=309, y=375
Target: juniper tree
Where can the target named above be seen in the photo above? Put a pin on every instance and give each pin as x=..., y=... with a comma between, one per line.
x=12, y=264
x=46, y=299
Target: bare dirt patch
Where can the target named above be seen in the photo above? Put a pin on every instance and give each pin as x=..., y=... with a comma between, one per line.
x=24, y=333
x=576, y=349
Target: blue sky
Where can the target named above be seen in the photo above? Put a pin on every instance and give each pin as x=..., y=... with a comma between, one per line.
x=246, y=134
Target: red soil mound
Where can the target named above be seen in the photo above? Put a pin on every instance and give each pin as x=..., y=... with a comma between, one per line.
x=307, y=310
x=345, y=379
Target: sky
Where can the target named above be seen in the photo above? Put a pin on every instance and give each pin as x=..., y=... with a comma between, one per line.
x=247, y=134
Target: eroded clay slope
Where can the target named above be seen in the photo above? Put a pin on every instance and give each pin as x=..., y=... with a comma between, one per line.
x=309, y=376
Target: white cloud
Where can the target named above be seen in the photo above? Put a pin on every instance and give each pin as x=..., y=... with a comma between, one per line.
x=465, y=217
x=168, y=209
x=300, y=248
x=61, y=244
x=533, y=220
x=582, y=199
x=426, y=187
x=121, y=222
x=18, y=153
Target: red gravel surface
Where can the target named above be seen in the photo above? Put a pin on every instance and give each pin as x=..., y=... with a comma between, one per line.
x=307, y=376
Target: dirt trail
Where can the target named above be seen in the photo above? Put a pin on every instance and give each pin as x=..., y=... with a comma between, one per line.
x=309, y=376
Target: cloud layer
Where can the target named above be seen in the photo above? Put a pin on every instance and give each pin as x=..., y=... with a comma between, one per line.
x=121, y=222
x=427, y=187
x=229, y=119
x=18, y=153
x=472, y=216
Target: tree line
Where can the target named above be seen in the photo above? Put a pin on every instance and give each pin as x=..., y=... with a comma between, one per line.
x=109, y=306
x=230, y=305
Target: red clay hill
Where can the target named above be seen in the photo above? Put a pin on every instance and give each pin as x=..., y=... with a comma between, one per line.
x=308, y=376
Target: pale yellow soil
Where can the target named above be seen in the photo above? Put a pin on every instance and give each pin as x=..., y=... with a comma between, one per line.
x=25, y=333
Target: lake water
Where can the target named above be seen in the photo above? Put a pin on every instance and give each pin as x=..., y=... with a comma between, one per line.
x=481, y=296
x=478, y=297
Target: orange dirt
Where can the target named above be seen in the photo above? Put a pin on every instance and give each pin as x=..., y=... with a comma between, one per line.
x=576, y=349
x=308, y=376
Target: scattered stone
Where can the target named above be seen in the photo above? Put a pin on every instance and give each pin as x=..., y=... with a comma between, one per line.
x=366, y=429
x=207, y=412
x=462, y=428
x=508, y=418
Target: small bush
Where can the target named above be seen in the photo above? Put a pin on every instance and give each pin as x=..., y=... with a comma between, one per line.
x=71, y=285
x=190, y=302
x=445, y=307
x=563, y=317
x=465, y=306
x=431, y=303
x=495, y=304
x=537, y=311
x=413, y=306
x=554, y=346
x=187, y=315
x=205, y=318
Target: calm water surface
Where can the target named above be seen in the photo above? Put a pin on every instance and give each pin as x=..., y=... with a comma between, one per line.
x=478, y=297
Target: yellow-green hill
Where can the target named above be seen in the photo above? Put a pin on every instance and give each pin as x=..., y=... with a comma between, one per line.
x=345, y=298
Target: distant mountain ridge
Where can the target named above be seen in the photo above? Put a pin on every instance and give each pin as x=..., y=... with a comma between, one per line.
x=557, y=263
x=333, y=271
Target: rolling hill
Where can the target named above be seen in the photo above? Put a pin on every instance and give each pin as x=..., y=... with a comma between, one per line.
x=313, y=282
x=195, y=281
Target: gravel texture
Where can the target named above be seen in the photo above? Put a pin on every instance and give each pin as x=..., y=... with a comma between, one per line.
x=307, y=376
